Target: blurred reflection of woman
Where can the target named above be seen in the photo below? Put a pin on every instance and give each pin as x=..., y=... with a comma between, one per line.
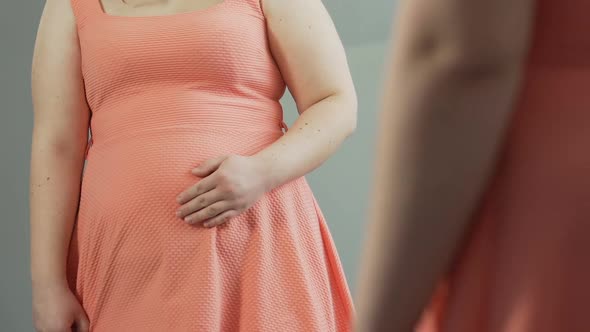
x=483, y=175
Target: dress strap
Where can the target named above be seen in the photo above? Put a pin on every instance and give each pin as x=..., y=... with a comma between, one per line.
x=84, y=9
x=251, y=6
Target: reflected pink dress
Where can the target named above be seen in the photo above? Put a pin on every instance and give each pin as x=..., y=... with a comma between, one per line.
x=526, y=264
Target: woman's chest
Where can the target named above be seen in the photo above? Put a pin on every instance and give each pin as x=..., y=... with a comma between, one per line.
x=193, y=47
x=135, y=8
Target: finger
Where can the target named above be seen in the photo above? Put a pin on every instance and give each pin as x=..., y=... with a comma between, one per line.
x=208, y=167
x=199, y=202
x=82, y=323
x=201, y=187
x=221, y=219
x=209, y=212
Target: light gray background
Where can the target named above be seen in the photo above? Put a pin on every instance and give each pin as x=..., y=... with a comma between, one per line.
x=340, y=185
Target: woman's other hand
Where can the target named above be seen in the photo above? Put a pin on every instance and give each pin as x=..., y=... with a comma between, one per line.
x=56, y=309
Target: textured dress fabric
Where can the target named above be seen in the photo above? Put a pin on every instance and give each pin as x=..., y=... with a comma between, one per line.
x=525, y=266
x=167, y=93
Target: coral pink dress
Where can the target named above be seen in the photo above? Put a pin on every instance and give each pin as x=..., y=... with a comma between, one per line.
x=526, y=265
x=167, y=93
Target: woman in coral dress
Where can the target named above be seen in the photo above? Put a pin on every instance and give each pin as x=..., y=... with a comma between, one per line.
x=193, y=214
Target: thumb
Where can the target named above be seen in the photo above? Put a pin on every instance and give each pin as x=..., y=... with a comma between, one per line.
x=82, y=322
x=209, y=166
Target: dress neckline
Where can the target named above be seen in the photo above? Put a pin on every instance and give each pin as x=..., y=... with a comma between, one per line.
x=205, y=10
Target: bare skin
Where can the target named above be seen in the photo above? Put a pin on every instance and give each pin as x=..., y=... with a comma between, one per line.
x=311, y=58
x=453, y=77
x=313, y=63
x=57, y=158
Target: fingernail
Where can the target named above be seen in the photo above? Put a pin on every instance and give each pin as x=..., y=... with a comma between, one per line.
x=178, y=213
x=187, y=220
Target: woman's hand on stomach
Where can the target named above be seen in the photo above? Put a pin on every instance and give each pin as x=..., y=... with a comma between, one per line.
x=230, y=185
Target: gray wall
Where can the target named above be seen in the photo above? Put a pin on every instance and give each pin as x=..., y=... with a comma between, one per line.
x=340, y=185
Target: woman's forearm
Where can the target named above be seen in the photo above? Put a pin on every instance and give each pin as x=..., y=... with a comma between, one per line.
x=439, y=132
x=313, y=138
x=54, y=194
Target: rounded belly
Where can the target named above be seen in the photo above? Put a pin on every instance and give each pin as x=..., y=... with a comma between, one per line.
x=135, y=175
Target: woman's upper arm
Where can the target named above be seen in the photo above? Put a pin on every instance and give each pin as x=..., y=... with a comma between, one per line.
x=308, y=50
x=479, y=31
x=61, y=112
